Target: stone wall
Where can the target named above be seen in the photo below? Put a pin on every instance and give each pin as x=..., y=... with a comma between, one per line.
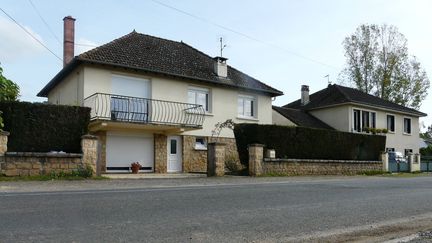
x=31, y=164
x=318, y=167
x=196, y=160
x=160, y=153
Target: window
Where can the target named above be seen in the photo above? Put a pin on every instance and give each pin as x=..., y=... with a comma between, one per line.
x=363, y=119
x=407, y=151
x=200, y=143
x=199, y=96
x=246, y=106
x=390, y=149
x=173, y=146
x=390, y=123
x=407, y=125
x=357, y=126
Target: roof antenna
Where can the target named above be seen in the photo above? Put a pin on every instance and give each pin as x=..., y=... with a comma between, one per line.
x=328, y=79
x=222, y=46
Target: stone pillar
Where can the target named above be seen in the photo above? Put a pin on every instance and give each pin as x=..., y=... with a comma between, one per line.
x=215, y=159
x=89, y=146
x=414, y=162
x=256, y=155
x=160, y=153
x=385, y=161
x=3, y=142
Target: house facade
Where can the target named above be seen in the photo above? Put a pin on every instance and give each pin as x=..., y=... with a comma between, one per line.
x=350, y=110
x=157, y=101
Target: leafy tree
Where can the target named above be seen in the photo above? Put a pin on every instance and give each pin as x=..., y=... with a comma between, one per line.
x=378, y=63
x=9, y=91
x=427, y=134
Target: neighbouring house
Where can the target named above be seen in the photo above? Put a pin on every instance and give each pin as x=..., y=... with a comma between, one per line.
x=350, y=110
x=156, y=101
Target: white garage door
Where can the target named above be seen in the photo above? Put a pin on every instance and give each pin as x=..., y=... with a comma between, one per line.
x=124, y=149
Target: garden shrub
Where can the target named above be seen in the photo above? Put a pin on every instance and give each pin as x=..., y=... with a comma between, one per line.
x=308, y=143
x=39, y=127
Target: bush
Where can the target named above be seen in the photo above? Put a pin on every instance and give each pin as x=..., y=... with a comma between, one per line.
x=308, y=143
x=37, y=127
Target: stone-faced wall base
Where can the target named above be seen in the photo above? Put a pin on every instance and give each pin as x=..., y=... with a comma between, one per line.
x=160, y=153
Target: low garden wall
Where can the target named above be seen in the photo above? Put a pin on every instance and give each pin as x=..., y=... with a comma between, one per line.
x=318, y=167
x=31, y=164
x=35, y=163
x=258, y=165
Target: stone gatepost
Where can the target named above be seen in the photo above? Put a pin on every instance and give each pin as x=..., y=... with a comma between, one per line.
x=414, y=162
x=215, y=159
x=256, y=156
x=89, y=146
x=3, y=142
x=385, y=161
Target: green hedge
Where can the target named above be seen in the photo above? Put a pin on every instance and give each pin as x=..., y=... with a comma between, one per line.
x=308, y=143
x=38, y=127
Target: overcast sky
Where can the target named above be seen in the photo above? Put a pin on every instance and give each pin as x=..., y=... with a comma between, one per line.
x=282, y=43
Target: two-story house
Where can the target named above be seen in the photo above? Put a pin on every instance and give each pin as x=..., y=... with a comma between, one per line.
x=350, y=110
x=156, y=101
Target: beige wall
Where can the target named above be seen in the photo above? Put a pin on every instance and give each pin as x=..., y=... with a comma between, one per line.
x=70, y=91
x=337, y=117
x=223, y=100
x=278, y=119
x=397, y=140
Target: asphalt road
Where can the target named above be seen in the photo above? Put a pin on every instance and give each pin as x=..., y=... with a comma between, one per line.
x=255, y=210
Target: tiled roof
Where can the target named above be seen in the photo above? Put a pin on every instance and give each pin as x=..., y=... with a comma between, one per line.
x=301, y=118
x=161, y=56
x=337, y=94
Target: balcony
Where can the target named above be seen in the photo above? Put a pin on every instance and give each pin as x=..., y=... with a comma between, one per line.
x=136, y=112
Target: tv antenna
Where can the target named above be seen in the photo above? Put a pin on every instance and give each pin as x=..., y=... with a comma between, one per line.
x=328, y=78
x=222, y=46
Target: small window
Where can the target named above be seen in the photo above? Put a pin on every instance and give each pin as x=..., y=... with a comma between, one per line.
x=246, y=106
x=200, y=143
x=390, y=149
x=407, y=125
x=199, y=96
x=408, y=151
x=173, y=146
x=390, y=123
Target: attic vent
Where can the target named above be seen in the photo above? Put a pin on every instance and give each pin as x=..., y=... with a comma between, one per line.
x=220, y=67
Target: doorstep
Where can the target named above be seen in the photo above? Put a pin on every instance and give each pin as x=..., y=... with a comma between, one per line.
x=155, y=175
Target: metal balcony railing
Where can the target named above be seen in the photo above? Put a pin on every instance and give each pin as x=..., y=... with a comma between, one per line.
x=141, y=110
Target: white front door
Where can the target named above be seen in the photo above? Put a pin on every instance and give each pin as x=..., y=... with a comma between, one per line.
x=174, y=146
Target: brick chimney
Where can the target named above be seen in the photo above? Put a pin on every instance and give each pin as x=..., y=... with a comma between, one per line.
x=304, y=94
x=220, y=67
x=68, y=39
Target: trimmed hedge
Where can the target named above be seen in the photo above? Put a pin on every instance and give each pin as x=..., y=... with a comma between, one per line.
x=308, y=143
x=38, y=127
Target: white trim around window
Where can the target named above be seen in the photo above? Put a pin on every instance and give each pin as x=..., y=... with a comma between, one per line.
x=362, y=118
x=200, y=96
x=247, y=107
x=407, y=130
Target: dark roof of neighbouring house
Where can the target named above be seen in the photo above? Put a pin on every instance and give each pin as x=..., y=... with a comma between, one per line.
x=161, y=56
x=337, y=94
x=301, y=118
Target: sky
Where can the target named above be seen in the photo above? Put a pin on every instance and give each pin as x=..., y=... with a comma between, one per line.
x=284, y=43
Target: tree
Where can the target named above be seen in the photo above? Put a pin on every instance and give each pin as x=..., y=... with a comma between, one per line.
x=378, y=63
x=9, y=91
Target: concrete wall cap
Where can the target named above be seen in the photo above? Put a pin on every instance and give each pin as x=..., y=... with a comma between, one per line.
x=4, y=133
x=256, y=145
x=88, y=136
